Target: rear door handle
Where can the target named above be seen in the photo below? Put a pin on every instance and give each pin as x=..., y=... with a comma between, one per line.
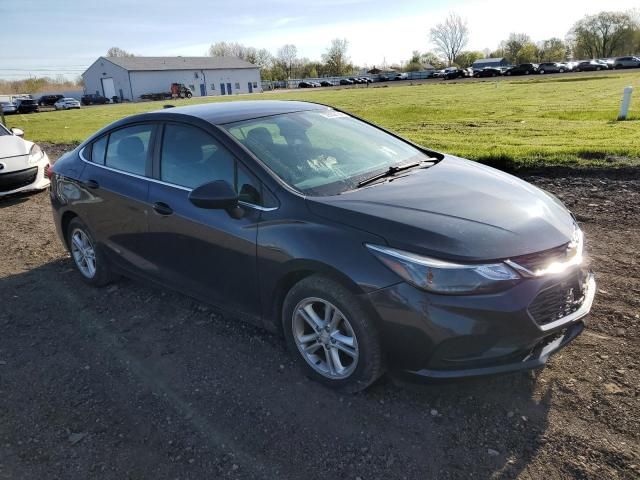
x=91, y=184
x=162, y=208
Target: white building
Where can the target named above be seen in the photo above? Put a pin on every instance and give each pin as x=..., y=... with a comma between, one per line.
x=130, y=77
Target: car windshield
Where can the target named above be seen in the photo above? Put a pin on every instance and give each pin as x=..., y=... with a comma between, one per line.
x=322, y=152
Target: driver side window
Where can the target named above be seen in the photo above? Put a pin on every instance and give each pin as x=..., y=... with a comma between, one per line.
x=191, y=157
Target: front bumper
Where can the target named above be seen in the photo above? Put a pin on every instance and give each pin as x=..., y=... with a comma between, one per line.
x=30, y=178
x=440, y=336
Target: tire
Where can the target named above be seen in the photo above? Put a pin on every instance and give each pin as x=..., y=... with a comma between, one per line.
x=188, y=95
x=598, y=69
x=541, y=72
x=508, y=73
x=101, y=274
x=352, y=372
x=561, y=70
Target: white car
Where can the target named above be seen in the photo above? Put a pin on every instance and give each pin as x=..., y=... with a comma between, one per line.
x=8, y=107
x=23, y=165
x=66, y=104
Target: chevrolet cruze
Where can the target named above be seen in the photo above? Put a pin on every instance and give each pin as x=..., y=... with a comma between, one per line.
x=366, y=251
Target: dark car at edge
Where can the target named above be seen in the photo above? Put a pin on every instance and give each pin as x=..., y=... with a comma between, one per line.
x=49, y=100
x=365, y=251
x=522, y=69
x=26, y=105
x=93, y=99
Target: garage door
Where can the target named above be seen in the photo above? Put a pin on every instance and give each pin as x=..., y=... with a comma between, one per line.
x=108, y=89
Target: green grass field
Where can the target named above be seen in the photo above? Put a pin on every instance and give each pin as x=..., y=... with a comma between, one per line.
x=522, y=122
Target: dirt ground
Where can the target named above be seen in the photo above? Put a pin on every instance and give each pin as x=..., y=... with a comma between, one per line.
x=133, y=382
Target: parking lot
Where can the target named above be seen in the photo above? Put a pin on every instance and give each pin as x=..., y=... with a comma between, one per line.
x=132, y=381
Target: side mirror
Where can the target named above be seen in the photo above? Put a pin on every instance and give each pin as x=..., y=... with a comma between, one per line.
x=215, y=195
x=17, y=132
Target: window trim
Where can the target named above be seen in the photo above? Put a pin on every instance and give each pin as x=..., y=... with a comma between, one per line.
x=160, y=182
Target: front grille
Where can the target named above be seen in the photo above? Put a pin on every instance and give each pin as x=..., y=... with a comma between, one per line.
x=557, y=301
x=540, y=260
x=14, y=180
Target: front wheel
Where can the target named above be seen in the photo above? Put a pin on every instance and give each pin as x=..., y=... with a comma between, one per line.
x=87, y=257
x=331, y=335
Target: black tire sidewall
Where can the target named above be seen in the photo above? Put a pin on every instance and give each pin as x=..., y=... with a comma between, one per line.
x=369, y=366
x=103, y=274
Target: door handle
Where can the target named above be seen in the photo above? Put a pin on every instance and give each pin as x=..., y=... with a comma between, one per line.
x=162, y=208
x=91, y=184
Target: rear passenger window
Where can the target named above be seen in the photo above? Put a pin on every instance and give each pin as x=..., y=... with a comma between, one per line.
x=98, y=150
x=128, y=149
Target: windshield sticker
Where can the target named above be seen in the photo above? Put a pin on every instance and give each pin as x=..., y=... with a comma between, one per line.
x=333, y=114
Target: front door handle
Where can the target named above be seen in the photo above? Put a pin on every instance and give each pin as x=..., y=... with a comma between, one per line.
x=162, y=208
x=91, y=184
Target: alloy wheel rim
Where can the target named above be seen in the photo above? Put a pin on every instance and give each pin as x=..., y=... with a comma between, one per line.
x=83, y=253
x=325, y=338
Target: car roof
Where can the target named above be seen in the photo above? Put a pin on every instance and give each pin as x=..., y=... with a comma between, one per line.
x=235, y=111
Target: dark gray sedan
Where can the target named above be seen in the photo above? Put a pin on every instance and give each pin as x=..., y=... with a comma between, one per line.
x=366, y=251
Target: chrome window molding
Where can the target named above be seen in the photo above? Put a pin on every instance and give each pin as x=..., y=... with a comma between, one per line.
x=166, y=184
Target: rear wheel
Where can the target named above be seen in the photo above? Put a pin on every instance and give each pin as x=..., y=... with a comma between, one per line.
x=329, y=332
x=87, y=258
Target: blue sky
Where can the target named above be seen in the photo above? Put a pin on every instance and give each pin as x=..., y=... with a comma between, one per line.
x=42, y=37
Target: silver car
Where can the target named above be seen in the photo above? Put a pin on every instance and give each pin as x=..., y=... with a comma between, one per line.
x=8, y=107
x=627, y=62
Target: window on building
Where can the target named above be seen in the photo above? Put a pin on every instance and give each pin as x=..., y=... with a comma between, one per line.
x=255, y=84
x=192, y=88
x=237, y=86
x=213, y=86
x=127, y=149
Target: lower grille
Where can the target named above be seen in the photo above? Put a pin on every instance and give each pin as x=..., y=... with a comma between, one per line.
x=557, y=301
x=14, y=180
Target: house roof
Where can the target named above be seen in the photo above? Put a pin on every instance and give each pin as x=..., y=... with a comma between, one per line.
x=179, y=63
x=490, y=60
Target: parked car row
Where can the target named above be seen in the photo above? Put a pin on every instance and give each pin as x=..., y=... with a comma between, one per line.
x=59, y=102
x=550, y=67
x=351, y=81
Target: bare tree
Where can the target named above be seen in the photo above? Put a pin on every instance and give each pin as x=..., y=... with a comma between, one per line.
x=231, y=49
x=118, y=52
x=335, y=58
x=287, y=55
x=603, y=34
x=451, y=36
x=262, y=58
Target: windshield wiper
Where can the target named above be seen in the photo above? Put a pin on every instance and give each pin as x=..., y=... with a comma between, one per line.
x=389, y=172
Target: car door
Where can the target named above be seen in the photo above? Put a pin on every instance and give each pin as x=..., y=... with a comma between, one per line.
x=209, y=254
x=116, y=186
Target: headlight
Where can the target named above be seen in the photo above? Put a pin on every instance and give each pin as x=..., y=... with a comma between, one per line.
x=35, y=154
x=440, y=276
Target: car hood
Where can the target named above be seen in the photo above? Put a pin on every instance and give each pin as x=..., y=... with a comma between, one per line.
x=457, y=209
x=12, y=146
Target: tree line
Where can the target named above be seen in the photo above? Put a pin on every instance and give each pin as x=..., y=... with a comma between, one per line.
x=605, y=34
